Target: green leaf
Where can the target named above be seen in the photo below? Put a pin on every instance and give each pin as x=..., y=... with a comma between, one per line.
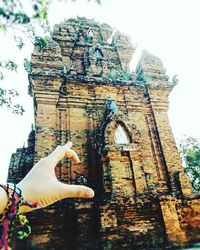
x=10, y=65
x=27, y=65
x=1, y=76
x=190, y=153
x=20, y=44
x=18, y=109
x=40, y=43
x=6, y=99
x=21, y=18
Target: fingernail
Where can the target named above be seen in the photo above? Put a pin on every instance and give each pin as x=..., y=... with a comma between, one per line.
x=90, y=194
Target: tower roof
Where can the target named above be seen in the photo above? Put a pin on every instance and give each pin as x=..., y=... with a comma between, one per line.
x=84, y=50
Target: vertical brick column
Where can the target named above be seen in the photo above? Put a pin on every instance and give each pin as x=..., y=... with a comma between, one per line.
x=170, y=154
x=46, y=123
x=175, y=234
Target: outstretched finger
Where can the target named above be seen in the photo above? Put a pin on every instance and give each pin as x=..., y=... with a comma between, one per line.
x=63, y=151
x=74, y=191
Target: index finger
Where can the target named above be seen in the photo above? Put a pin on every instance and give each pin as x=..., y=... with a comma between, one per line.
x=61, y=152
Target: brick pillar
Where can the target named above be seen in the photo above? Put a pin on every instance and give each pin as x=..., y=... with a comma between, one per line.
x=46, y=123
x=175, y=234
x=170, y=154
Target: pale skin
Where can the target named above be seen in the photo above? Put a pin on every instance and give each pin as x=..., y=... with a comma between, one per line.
x=41, y=184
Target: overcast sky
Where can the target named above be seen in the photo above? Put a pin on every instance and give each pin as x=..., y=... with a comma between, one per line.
x=168, y=29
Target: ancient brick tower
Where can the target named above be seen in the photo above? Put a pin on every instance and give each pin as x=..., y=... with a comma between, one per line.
x=83, y=91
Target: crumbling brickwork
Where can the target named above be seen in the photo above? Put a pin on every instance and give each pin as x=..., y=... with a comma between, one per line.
x=83, y=91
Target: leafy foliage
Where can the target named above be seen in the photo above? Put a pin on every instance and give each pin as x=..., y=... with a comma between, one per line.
x=12, y=12
x=10, y=65
x=190, y=152
x=41, y=43
x=6, y=99
x=23, y=23
x=20, y=42
x=7, y=96
x=126, y=75
x=14, y=18
x=119, y=75
x=27, y=65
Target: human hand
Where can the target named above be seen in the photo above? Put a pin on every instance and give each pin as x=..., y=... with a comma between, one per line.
x=41, y=184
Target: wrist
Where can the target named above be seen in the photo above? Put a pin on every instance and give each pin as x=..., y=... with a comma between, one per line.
x=4, y=200
x=24, y=209
x=12, y=200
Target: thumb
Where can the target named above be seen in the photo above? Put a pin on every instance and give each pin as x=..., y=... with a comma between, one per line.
x=75, y=191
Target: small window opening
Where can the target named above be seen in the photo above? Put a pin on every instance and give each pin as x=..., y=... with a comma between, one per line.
x=121, y=136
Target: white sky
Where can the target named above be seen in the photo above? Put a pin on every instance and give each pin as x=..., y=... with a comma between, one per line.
x=168, y=29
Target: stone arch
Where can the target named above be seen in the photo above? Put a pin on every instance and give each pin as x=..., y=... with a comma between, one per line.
x=121, y=120
x=119, y=158
x=90, y=35
x=123, y=172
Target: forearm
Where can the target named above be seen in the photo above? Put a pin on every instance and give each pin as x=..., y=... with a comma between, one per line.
x=3, y=200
